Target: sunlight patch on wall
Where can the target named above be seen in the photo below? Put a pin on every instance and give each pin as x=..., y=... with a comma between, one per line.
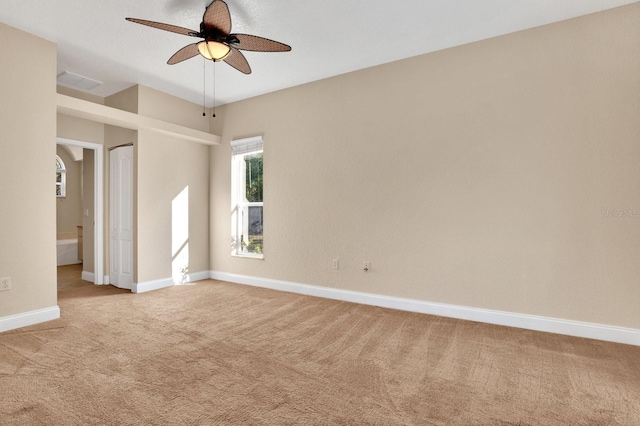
x=180, y=237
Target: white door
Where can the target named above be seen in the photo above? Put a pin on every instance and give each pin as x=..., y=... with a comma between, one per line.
x=121, y=217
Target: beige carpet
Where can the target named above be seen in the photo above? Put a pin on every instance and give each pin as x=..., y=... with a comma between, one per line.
x=219, y=353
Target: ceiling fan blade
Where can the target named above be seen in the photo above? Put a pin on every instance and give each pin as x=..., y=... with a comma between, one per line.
x=217, y=17
x=183, y=54
x=166, y=27
x=259, y=44
x=237, y=60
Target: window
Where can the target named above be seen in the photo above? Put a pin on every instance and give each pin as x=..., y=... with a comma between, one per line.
x=61, y=178
x=247, y=198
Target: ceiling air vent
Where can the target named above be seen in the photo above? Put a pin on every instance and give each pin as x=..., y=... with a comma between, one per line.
x=76, y=81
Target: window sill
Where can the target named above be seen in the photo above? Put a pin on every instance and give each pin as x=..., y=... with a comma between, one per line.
x=249, y=255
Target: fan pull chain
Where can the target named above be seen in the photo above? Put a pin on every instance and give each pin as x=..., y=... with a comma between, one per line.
x=204, y=87
x=214, y=89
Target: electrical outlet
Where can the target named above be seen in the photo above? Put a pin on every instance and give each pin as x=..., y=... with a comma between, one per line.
x=366, y=266
x=5, y=284
x=335, y=264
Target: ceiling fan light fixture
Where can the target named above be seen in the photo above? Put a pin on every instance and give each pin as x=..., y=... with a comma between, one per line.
x=217, y=43
x=213, y=50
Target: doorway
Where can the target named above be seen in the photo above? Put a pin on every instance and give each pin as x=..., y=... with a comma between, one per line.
x=97, y=223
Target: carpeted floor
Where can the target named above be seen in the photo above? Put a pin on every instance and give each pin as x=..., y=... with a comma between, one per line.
x=219, y=353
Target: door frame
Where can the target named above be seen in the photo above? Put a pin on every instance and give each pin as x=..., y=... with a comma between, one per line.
x=98, y=204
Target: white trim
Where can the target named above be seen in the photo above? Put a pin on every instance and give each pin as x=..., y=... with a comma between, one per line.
x=151, y=285
x=246, y=145
x=239, y=222
x=63, y=178
x=198, y=276
x=98, y=201
x=168, y=282
x=91, y=111
x=629, y=336
x=88, y=276
x=247, y=141
x=106, y=280
x=259, y=256
x=29, y=318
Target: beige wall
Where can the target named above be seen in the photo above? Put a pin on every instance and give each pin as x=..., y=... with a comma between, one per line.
x=63, y=90
x=159, y=158
x=166, y=168
x=476, y=176
x=27, y=254
x=126, y=100
x=69, y=208
x=162, y=106
x=77, y=128
x=88, y=194
x=27, y=170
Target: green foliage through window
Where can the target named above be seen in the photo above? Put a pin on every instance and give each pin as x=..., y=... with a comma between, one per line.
x=254, y=177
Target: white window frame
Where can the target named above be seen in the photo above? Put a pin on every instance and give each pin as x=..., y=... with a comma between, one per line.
x=239, y=225
x=63, y=178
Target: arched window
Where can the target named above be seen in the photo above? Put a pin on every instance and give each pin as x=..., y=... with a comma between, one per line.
x=61, y=178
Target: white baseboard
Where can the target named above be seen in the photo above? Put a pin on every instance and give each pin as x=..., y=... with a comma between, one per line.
x=167, y=282
x=151, y=285
x=198, y=276
x=88, y=276
x=29, y=318
x=608, y=333
x=69, y=262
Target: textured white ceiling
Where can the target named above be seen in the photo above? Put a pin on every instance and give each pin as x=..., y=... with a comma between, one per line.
x=328, y=37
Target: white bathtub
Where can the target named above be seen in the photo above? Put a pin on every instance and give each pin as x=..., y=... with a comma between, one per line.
x=67, y=252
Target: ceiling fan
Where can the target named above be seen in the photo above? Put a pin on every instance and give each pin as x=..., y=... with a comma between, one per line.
x=218, y=43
